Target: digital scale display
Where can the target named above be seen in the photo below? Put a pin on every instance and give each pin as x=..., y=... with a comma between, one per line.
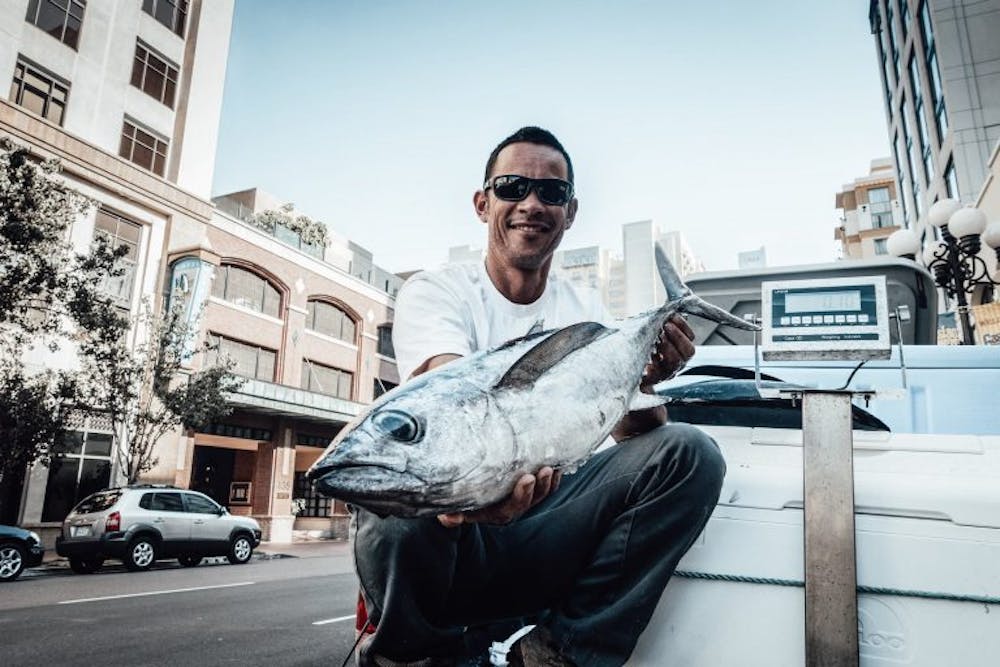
x=844, y=318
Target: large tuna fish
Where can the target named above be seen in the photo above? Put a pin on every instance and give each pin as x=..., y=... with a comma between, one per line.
x=458, y=438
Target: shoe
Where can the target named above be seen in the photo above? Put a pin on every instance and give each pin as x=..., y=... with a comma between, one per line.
x=537, y=649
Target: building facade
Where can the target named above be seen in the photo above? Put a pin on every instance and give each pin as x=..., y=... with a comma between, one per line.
x=940, y=66
x=127, y=94
x=870, y=212
x=643, y=286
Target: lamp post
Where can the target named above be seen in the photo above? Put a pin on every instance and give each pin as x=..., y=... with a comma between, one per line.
x=955, y=262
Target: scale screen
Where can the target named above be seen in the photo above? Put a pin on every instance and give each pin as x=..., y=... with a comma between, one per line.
x=833, y=318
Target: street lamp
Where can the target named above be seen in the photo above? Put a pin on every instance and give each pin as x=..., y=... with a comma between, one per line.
x=955, y=262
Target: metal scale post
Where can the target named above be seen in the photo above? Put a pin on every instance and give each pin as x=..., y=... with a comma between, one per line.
x=828, y=319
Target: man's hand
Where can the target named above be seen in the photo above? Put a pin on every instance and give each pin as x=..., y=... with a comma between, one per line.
x=528, y=492
x=671, y=354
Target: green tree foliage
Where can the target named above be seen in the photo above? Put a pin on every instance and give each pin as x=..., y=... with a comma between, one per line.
x=147, y=389
x=48, y=294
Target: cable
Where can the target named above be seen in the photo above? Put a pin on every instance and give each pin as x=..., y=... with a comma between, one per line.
x=356, y=642
x=851, y=376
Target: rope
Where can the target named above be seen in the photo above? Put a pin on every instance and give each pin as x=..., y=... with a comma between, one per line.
x=872, y=590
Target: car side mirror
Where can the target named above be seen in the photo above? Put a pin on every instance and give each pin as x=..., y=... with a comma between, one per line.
x=223, y=511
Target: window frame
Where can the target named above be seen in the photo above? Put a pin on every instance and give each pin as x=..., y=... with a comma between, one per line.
x=306, y=379
x=55, y=84
x=345, y=316
x=116, y=240
x=142, y=65
x=155, y=166
x=179, y=7
x=216, y=341
x=222, y=277
x=70, y=39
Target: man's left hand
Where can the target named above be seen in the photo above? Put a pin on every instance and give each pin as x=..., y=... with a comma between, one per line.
x=672, y=352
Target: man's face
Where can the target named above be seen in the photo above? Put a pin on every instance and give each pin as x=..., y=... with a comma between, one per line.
x=524, y=234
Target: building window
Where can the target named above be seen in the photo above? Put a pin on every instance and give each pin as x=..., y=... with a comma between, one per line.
x=326, y=379
x=171, y=13
x=881, y=247
x=904, y=15
x=39, y=92
x=940, y=113
x=309, y=502
x=893, y=40
x=80, y=465
x=903, y=180
x=951, y=181
x=59, y=18
x=154, y=75
x=327, y=319
x=250, y=361
x=385, y=341
x=119, y=233
x=880, y=207
x=143, y=148
x=383, y=387
x=246, y=289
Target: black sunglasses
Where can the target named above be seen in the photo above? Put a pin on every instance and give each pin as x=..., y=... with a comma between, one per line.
x=551, y=191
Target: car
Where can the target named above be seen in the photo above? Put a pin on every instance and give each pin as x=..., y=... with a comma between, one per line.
x=19, y=548
x=143, y=523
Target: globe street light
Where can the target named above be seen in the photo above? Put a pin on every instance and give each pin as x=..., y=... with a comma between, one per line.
x=955, y=262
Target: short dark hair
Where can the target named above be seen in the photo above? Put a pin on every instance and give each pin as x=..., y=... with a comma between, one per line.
x=530, y=135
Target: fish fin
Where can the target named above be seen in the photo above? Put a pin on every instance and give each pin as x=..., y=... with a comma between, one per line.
x=672, y=283
x=550, y=352
x=695, y=305
x=643, y=401
x=537, y=327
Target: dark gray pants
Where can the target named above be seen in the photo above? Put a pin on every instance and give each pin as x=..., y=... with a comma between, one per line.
x=590, y=561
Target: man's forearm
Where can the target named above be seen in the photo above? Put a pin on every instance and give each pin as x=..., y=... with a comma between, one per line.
x=638, y=422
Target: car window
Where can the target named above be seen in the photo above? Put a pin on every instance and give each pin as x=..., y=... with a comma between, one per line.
x=98, y=502
x=146, y=502
x=167, y=502
x=200, y=504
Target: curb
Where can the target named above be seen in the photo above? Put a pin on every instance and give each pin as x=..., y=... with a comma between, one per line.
x=59, y=566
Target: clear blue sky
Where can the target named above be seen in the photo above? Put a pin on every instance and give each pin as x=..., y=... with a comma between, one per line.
x=734, y=122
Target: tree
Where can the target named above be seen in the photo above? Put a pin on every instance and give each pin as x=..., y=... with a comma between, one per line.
x=146, y=390
x=49, y=295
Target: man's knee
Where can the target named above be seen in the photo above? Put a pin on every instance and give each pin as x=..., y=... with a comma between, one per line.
x=695, y=453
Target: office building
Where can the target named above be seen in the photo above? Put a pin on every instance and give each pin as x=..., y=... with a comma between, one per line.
x=941, y=89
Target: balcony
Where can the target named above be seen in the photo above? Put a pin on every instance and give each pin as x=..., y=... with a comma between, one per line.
x=269, y=398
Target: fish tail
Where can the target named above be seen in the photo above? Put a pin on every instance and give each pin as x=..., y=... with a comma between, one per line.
x=689, y=302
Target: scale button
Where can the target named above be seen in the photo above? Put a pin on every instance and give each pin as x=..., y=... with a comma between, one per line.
x=828, y=319
x=796, y=319
x=807, y=319
x=839, y=319
x=853, y=319
x=863, y=318
x=785, y=321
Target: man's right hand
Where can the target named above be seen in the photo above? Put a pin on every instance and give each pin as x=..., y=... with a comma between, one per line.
x=528, y=492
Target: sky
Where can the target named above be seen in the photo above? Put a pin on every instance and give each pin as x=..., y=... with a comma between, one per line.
x=734, y=122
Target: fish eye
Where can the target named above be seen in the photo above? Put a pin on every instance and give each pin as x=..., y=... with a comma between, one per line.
x=397, y=424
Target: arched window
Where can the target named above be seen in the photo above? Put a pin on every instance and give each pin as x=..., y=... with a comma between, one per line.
x=328, y=319
x=245, y=288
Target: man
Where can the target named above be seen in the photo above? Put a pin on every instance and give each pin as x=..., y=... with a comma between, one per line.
x=585, y=556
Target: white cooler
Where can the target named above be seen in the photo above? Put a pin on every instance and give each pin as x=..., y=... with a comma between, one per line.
x=928, y=556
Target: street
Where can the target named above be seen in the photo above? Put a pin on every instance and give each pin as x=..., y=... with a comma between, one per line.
x=273, y=611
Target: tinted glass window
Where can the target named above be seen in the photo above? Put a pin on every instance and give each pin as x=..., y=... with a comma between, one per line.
x=146, y=502
x=98, y=502
x=168, y=502
x=200, y=505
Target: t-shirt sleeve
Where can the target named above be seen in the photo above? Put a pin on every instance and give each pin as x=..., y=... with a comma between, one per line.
x=429, y=320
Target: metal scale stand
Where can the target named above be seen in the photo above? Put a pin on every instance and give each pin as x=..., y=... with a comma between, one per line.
x=827, y=319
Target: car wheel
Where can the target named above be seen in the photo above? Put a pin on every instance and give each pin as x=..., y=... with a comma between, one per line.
x=140, y=555
x=189, y=561
x=85, y=565
x=240, y=550
x=11, y=561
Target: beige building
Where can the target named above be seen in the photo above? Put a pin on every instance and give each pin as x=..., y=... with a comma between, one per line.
x=870, y=212
x=128, y=95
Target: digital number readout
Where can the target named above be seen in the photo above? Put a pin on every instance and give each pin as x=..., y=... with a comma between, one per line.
x=823, y=302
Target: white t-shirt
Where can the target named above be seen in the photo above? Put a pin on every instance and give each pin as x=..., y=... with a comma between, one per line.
x=457, y=310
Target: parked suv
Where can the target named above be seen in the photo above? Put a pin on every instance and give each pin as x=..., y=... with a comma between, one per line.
x=140, y=524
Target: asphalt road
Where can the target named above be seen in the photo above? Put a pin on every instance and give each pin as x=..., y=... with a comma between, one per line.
x=286, y=611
